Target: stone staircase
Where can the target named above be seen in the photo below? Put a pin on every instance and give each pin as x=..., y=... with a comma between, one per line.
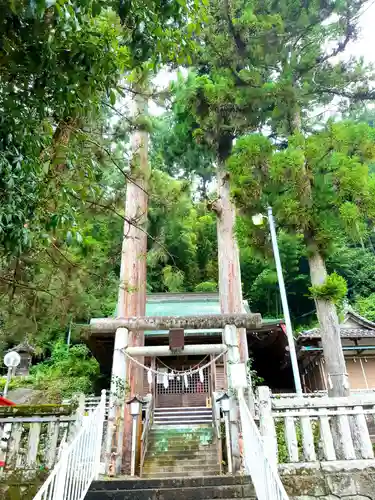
x=193, y=488
x=182, y=443
x=183, y=416
x=181, y=451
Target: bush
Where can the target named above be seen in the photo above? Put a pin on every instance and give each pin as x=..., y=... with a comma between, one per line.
x=69, y=370
x=334, y=289
x=206, y=286
x=366, y=306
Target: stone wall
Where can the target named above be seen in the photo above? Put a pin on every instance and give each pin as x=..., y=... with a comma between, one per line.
x=330, y=480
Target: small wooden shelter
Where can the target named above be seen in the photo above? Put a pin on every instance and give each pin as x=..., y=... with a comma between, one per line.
x=358, y=344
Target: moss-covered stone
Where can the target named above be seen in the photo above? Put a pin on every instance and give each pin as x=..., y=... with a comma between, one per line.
x=21, y=485
x=35, y=410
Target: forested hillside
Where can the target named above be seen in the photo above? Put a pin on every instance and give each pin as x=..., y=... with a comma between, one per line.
x=255, y=76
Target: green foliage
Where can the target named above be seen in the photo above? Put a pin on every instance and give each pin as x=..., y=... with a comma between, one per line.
x=334, y=289
x=252, y=374
x=69, y=370
x=206, y=286
x=173, y=279
x=336, y=202
x=366, y=306
x=283, y=456
x=357, y=266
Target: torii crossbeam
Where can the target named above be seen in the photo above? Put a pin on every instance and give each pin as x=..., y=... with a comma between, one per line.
x=200, y=322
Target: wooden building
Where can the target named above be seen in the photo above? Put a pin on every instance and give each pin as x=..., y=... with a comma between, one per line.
x=358, y=343
x=267, y=346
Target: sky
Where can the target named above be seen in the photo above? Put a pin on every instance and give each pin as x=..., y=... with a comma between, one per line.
x=365, y=45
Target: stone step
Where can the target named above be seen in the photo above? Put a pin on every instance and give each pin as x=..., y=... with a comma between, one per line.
x=178, y=444
x=185, y=429
x=206, y=451
x=175, y=445
x=129, y=483
x=184, y=408
x=187, y=475
x=183, y=416
x=178, y=421
x=186, y=488
x=185, y=411
x=181, y=467
x=180, y=462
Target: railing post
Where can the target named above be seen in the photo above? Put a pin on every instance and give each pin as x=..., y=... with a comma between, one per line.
x=99, y=438
x=233, y=357
x=307, y=437
x=291, y=439
x=267, y=424
x=345, y=435
x=326, y=435
x=59, y=486
x=116, y=404
x=80, y=411
x=361, y=434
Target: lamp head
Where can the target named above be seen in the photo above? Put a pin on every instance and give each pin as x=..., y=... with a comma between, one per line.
x=224, y=401
x=135, y=406
x=12, y=359
x=257, y=219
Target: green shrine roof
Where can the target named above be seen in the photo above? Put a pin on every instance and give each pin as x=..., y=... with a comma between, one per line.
x=184, y=304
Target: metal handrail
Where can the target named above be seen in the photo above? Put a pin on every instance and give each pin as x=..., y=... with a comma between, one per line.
x=217, y=429
x=146, y=430
x=264, y=474
x=79, y=462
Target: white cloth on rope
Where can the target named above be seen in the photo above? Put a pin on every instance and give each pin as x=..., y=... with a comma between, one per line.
x=186, y=372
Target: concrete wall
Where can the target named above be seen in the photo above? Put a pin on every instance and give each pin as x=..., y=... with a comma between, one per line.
x=330, y=481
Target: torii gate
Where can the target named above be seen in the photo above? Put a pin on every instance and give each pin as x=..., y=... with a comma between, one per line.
x=122, y=326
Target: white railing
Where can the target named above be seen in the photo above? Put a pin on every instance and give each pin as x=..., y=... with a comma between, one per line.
x=263, y=472
x=30, y=437
x=79, y=463
x=315, y=429
x=147, y=424
x=90, y=403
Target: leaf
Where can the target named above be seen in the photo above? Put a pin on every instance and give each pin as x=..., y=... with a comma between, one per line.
x=112, y=98
x=96, y=9
x=69, y=237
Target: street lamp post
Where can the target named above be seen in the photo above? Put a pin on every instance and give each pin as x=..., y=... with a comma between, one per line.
x=11, y=360
x=224, y=401
x=257, y=220
x=135, y=406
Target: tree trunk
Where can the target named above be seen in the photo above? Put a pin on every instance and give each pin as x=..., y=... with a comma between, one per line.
x=230, y=291
x=230, y=286
x=132, y=289
x=338, y=384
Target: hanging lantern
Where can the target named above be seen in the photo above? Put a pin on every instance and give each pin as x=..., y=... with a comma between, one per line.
x=165, y=381
x=149, y=377
x=201, y=375
x=186, y=380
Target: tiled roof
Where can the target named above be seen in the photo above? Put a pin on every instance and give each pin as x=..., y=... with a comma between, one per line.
x=344, y=333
